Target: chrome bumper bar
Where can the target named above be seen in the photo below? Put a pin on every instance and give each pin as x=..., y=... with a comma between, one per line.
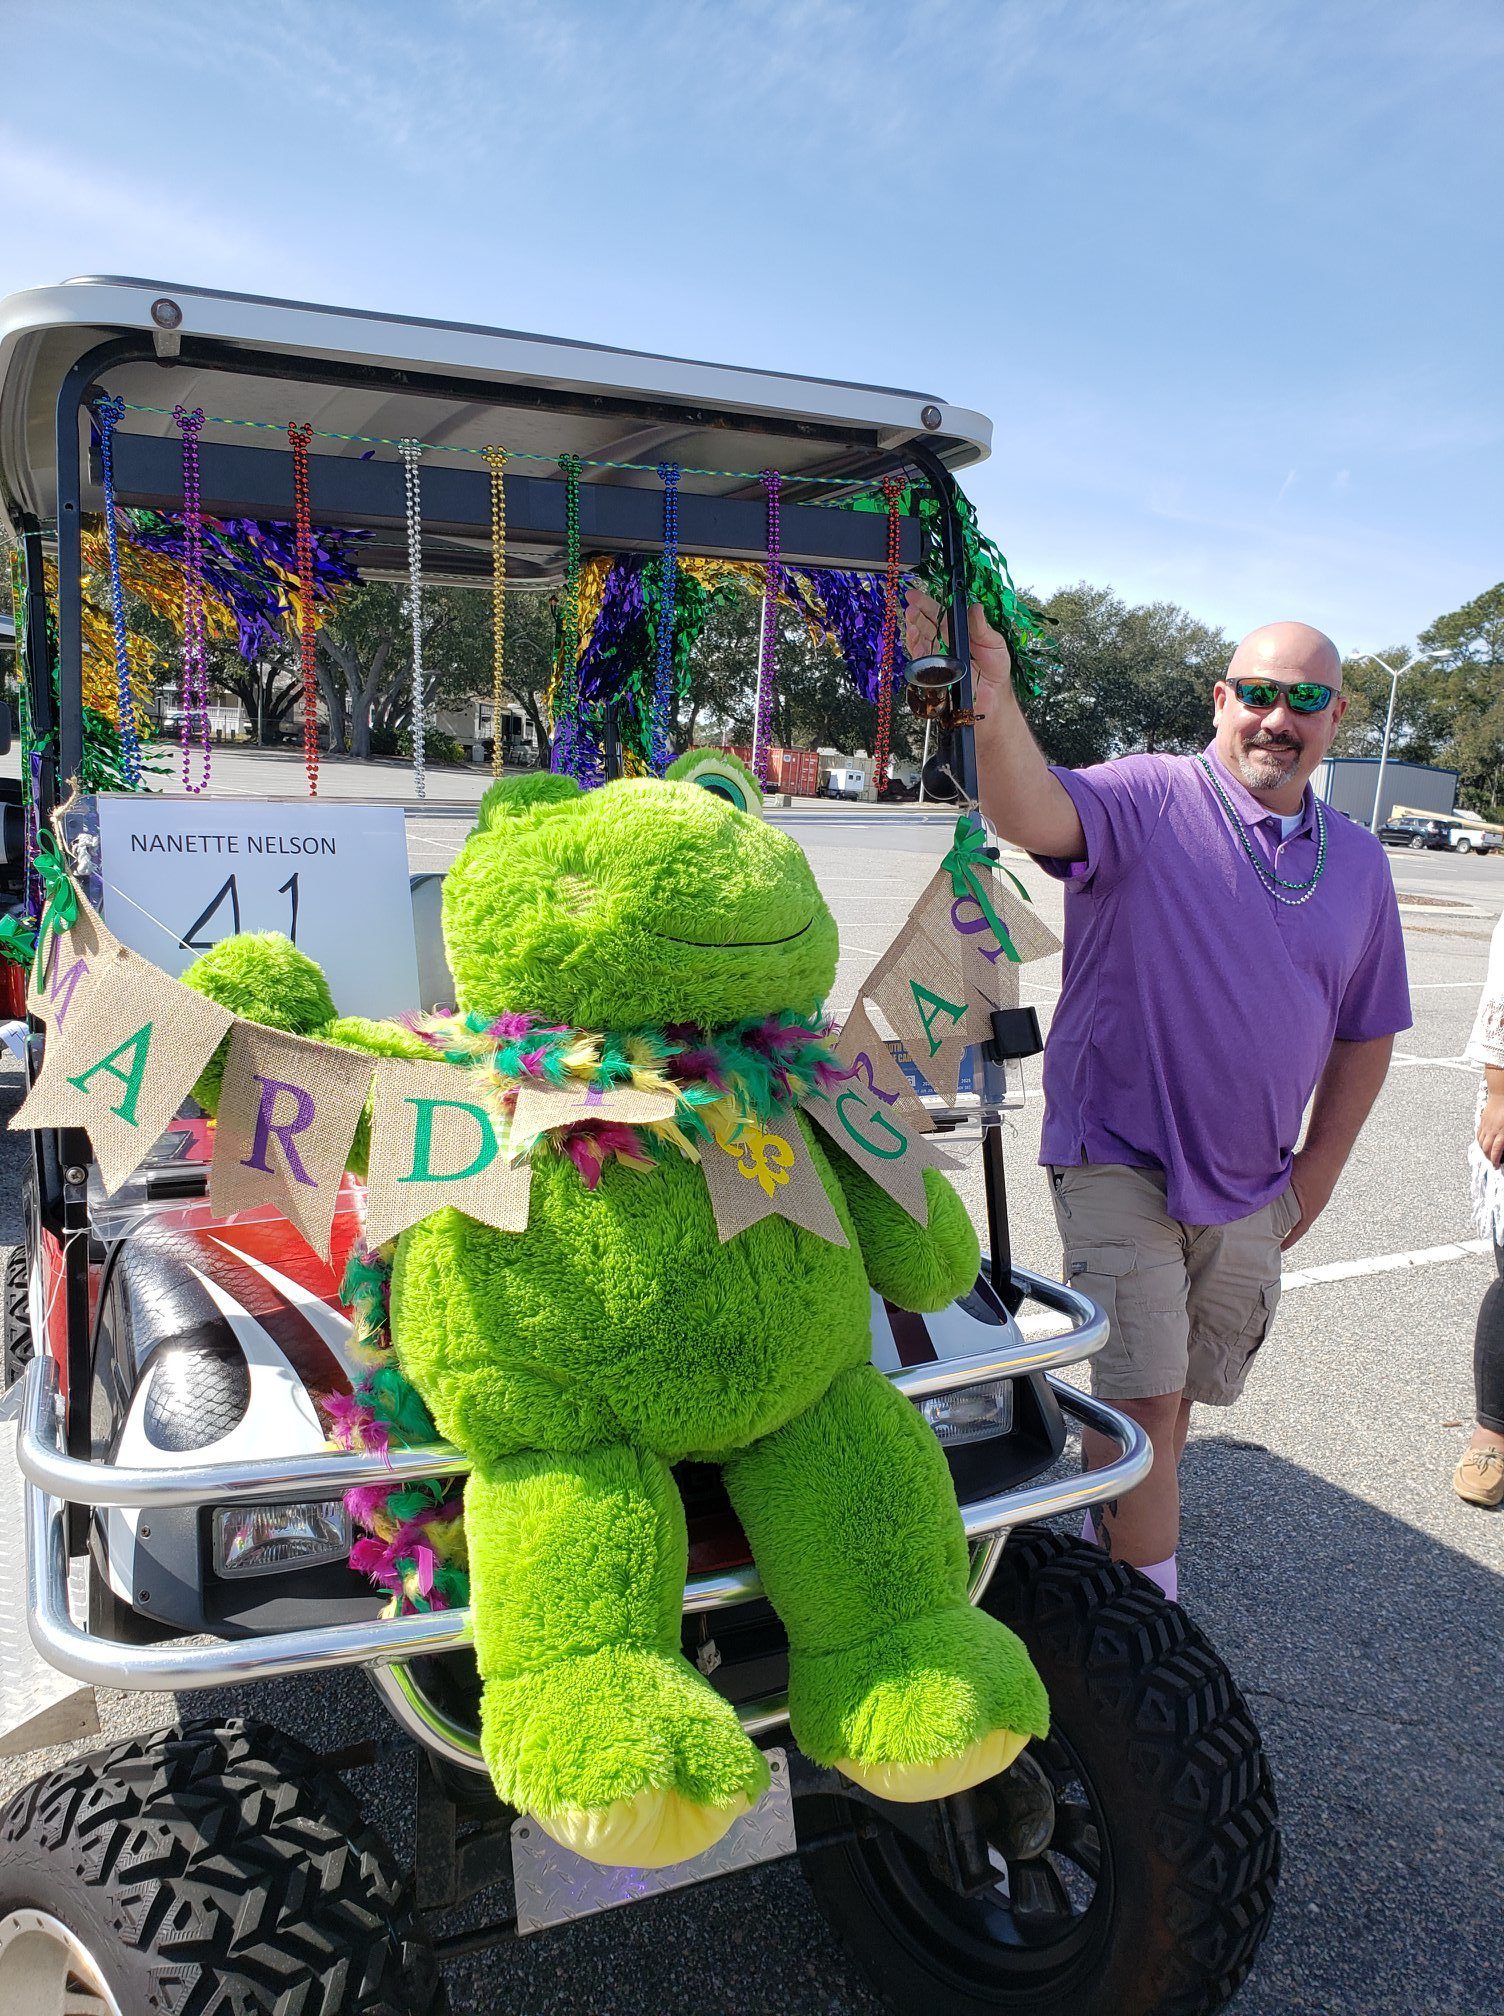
x=55, y=1479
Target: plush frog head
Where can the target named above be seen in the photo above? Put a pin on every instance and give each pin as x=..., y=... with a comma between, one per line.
x=636, y=905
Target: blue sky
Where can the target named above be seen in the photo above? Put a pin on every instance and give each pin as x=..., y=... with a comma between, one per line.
x=1225, y=276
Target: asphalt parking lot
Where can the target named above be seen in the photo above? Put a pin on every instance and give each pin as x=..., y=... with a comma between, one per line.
x=1356, y=1600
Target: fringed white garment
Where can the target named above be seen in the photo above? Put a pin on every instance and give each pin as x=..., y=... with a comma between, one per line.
x=1486, y=1046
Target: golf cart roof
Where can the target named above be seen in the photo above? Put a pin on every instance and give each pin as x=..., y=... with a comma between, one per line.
x=467, y=386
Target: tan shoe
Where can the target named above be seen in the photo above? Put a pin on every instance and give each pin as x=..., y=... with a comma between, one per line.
x=1479, y=1477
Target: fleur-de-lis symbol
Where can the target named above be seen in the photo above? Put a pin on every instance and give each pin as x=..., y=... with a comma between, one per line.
x=764, y=1159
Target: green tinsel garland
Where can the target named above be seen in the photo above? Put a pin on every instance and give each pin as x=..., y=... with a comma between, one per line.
x=989, y=581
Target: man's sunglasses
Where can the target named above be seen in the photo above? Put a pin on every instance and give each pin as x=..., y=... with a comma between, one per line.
x=1304, y=697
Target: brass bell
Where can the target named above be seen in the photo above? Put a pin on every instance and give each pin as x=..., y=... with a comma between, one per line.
x=935, y=672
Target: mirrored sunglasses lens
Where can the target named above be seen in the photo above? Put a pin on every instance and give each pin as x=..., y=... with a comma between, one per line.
x=1257, y=692
x=1308, y=698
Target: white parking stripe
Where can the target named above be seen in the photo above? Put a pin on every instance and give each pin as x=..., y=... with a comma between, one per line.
x=1385, y=1263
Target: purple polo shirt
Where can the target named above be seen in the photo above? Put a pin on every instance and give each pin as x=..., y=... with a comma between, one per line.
x=1196, y=1012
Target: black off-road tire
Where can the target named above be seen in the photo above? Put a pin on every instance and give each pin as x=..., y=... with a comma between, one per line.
x=15, y=1318
x=1160, y=1778
x=217, y=1871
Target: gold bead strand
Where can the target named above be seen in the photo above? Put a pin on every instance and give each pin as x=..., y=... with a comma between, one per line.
x=496, y=457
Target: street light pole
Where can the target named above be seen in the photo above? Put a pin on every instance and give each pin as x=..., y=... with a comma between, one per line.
x=1396, y=673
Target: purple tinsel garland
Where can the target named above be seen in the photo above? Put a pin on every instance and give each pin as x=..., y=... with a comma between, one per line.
x=241, y=559
x=847, y=607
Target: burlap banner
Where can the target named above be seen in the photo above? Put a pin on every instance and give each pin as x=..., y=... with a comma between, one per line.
x=766, y=1172
x=121, y=1058
x=921, y=990
x=430, y=1148
x=948, y=967
x=877, y=1142
x=861, y=1049
x=287, y=1115
x=70, y=968
x=541, y=1108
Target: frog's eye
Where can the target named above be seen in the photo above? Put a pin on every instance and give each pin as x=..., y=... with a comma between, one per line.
x=722, y=775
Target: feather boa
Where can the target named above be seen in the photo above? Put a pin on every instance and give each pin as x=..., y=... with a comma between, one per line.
x=719, y=1078
x=414, y=1544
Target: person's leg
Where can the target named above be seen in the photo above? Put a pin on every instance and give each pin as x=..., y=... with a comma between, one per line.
x=1479, y=1477
x=1143, y=1527
x=1182, y=1427
x=1233, y=1273
x=1123, y=1250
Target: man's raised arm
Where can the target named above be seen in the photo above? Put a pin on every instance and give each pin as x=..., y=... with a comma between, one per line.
x=1021, y=797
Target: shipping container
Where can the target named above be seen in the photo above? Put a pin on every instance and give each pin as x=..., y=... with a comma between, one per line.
x=1348, y=783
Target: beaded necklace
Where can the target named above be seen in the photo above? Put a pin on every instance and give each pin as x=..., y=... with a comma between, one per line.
x=1275, y=884
x=195, y=628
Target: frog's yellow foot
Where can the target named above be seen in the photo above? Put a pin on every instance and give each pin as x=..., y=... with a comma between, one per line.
x=650, y=1831
x=626, y=1755
x=917, y=1784
x=927, y=1707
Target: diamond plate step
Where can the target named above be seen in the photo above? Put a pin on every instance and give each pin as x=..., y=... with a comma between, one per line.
x=554, y=1885
x=38, y=1705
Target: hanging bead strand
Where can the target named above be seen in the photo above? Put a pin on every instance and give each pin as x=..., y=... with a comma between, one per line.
x=887, y=650
x=663, y=685
x=763, y=726
x=195, y=630
x=568, y=754
x=298, y=435
x=496, y=459
x=108, y=414
x=410, y=451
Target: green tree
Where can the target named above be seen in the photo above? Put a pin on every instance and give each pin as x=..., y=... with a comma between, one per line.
x=1466, y=681
x=1124, y=678
x=365, y=660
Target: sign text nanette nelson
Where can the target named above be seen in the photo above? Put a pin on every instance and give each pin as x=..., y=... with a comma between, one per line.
x=231, y=843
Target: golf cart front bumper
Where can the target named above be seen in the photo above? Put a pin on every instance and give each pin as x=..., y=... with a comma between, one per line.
x=54, y=1481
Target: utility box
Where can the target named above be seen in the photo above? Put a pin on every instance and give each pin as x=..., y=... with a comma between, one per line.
x=1347, y=784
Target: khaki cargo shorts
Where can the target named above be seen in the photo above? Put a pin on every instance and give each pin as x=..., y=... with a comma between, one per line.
x=1189, y=1304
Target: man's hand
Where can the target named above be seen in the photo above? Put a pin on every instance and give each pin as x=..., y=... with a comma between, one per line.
x=1020, y=798
x=1345, y=1091
x=1491, y=1128
x=1313, y=1192
x=924, y=630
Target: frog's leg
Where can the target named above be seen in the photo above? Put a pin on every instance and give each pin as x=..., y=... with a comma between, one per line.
x=591, y=1719
x=894, y=1677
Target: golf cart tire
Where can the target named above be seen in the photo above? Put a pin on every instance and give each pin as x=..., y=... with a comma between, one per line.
x=1147, y=1721
x=208, y=1869
x=16, y=1317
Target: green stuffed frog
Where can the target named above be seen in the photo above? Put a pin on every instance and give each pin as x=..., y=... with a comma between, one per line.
x=575, y=1362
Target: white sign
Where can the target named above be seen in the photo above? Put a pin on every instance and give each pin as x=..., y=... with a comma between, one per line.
x=177, y=877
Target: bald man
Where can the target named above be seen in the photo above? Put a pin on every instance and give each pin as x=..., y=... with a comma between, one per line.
x=1232, y=947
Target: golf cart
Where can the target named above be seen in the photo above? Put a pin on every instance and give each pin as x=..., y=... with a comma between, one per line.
x=184, y=1526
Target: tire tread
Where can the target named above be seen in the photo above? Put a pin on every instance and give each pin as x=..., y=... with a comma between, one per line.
x=242, y=1876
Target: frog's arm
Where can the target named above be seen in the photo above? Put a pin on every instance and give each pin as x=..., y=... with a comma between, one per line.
x=262, y=977
x=915, y=1266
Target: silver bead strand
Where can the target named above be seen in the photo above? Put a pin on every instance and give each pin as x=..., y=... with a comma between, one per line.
x=410, y=451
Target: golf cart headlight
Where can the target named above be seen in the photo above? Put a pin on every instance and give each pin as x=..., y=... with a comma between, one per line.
x=970, y=1413
x=268, y=1539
